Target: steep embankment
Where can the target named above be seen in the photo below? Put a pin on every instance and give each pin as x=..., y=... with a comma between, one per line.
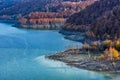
x=42, y=20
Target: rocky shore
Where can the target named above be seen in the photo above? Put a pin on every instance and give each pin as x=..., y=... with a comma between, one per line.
x=82, y=59
x=73, y=35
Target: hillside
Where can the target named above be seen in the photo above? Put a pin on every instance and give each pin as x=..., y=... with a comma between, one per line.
x=20, y=10
x=17, y=9
x=90, y=14
x=25, y=7
x=7, y=3
x=107, y=26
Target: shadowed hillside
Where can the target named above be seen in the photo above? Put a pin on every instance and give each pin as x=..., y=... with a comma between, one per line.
x=90, y=14
x=107, y=26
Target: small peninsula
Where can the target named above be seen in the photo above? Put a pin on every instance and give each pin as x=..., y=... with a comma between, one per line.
x=95, y=57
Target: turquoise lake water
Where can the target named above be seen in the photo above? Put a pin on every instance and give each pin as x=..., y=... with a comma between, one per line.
x=22, y=57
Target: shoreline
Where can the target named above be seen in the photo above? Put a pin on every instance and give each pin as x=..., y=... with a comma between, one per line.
x=82, y=60
x=9, y=21
x=14, y=23
x=38, y=26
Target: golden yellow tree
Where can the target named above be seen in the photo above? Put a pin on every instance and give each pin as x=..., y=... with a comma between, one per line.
x=117, y=45
x=115, y=54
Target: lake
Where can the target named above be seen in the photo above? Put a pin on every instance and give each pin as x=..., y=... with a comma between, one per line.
x=22, y=56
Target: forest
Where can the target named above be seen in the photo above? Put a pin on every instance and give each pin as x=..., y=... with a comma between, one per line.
x=20, y=10
x=100, y=20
